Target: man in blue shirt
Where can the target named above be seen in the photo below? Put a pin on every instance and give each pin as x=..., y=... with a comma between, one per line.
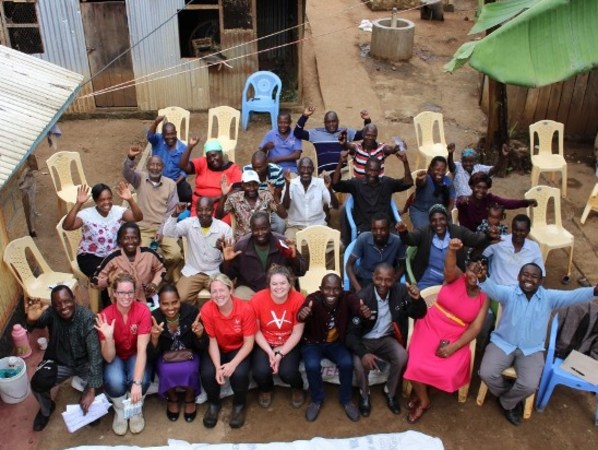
x=520, y=335
x=281, y=145
x=167, y=146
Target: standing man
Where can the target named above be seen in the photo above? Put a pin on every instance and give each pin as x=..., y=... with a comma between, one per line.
x=521, y=333
x=377, y=338
x=170, y=148
x=157, y=198
x=73, y=349
x=281, y=146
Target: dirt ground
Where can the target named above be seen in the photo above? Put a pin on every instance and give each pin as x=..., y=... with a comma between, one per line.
x=401, y=91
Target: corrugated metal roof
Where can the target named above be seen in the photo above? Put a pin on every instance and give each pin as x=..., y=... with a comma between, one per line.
x=33, y=96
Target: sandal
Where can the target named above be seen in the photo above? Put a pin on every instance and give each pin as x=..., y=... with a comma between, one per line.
x=190, y=417
x=172, y=416
x=413, y=402
x=417, y=413
x=583, y=281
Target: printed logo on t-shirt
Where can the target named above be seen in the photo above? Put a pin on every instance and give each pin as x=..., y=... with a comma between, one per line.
x=278, y=322
x=237, y=326
x=134, y=328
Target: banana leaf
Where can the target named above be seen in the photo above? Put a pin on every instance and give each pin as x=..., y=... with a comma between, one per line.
x=550, y=41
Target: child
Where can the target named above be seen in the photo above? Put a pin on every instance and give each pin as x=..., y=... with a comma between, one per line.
x=496, y=213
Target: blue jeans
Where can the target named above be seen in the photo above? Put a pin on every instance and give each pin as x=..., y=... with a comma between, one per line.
x=339, y=355
x=118, y=376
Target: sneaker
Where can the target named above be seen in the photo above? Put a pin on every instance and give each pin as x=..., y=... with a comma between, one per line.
x=265, y=399
x=312, y=411
x=297, y=398
x=351, y=411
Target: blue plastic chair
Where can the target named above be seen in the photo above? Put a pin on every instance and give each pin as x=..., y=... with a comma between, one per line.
x=349, y=205
x=553, y=375
x=348, y=251
x=266, y=98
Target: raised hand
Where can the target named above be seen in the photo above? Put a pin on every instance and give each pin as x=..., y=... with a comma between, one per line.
x=157, y=328
x=344, y=156
x=134, y=150
x=288, y=176
x=34, y=309
x=413, y=291
x=421, y=175
x=83, y=194
x=309, y=110
x=272, y=189
x=364, y=311
x=193, y=141
x=123, y=190
x=197, y=326
x=401, y=227
x=451, y=147
x=305, y=312
x=365, y=115
x=455, y=244
x=342, y=137
x=159, y=119
x=533, y=203
x=402, y=155
x=180, y=207
x=102, y=325
x=228, y=250
x=225, y=186
x=292, y=247
x=327, y=179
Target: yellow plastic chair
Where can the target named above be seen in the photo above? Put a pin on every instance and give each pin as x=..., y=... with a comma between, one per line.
x=549, y=236
x=203, y=295
x=591, y=204
x=179, y=117
x=70, y=242
x=509, y=372
x=455, y=216
x=429, y=295
x=427, y=147
x=316, y=238
x=227, y=128
x=311, y=281
x=60, y=168
x=545, y=160
x=25, y=261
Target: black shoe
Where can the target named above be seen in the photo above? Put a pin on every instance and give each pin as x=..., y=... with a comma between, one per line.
x=351, y=411
x=238, y=418
x=210, y=418
x=172, y=416
x=312, y=411
x=190, y=417
x=512, y=415
x=40, y=421
x=365, y=406
x=393, y=405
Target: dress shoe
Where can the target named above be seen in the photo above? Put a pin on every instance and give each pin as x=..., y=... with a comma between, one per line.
x=210, y=418
x=297, y=398
x=312, y=411
x=265, y=399
x=190, y=417
x=393, y=405
x=238, y=417
x=351, y=411
x=512, y=415
x=365, y=406
x=40, y=421
x=173, y=415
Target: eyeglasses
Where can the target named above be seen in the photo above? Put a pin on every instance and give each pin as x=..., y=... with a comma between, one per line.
x=126, y=294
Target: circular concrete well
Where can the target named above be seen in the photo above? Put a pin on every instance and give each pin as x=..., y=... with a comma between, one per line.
x=393, y=43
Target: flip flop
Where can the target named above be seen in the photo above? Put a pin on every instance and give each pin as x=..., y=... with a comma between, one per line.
x=583, y=281
x=417, y=413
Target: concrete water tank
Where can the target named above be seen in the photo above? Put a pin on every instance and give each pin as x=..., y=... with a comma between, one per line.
x=392, y=43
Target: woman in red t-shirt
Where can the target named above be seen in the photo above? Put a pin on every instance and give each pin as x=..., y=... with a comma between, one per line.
x=278, y=336
x=230, y=325
x=124, y=331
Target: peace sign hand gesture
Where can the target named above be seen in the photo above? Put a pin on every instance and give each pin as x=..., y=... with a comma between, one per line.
x=197, y=327
x=157, y=328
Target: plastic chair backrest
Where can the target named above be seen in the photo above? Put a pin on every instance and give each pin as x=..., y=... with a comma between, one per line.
x=543, y=195
x=350, y=204
x=430, y=294
x=409, y=257
x=311, y=281
x=316, y=237
x=60, y=168
x=552, y=340
x=15, y=256
x=266, y=87
x=226, y=123
x=179, y=117
x=69, y=239
x=424, y=123
x=545, y=130
x=347, y=253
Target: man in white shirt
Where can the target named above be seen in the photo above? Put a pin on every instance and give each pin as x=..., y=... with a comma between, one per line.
x=204, y=235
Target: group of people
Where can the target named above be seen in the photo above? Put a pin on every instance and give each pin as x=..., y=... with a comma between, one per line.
x=160, y=252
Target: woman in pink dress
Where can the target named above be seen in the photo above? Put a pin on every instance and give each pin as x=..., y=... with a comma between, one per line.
x=439, y=353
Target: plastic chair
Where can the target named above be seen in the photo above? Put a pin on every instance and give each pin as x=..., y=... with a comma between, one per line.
x=591, y=204
x=553, y=375
x=179, y=117
x=455, y=216
x=227, y=128
x=545, y=160
x=427, y=147
x=548, y=236
x=203, y=295
x=17, y=256
x=60, y=168
x=266, y=97
x=70, y=242
x=409, y=257
x=350, y=204
x=311, y=281
x=348, y=251
x=317, y=237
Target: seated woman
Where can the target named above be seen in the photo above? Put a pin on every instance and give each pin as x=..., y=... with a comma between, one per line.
x=431, y=188
x=279, y=333
x=439, y=354
x=473, y=209
x=432, y=244
x=281, y=146
x=142, y=263
x=99, y=225
x=230, y=325
x=124, y=331
x=177, y=339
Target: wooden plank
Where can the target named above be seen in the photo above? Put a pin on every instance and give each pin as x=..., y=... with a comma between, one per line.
x=590, y=106
x=529, y=110
x=516, y=97
x=565, y=104
x=576, y=121
x=554, y=101
x=542, y=103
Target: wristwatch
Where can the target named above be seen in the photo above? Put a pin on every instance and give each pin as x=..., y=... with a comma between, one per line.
x=138, y=383
x=282, y=355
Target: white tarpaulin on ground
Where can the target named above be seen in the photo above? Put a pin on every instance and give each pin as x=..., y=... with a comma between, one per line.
x=409, y=440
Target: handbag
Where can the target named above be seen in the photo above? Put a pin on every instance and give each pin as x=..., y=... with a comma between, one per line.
x=175, y=356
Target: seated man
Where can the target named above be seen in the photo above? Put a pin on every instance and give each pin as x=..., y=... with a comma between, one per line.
x=281, y=146
x=73, y=349
x=521, y=333
x=375, y=338
x=205, y=236
x=372, y=248
x=243, y=204
x=157, y=198
x=326, y=314
x=251, y=256
x=270, y=175
x=326, y=140
x=170, y=148
x=307, y=199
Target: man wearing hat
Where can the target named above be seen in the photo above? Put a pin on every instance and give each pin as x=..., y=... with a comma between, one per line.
x=211, y=171
x=243, y=204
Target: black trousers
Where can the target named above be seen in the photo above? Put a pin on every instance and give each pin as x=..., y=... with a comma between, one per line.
x=288, y=369
x=239, y=380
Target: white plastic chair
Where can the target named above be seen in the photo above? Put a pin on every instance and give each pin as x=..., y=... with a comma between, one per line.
x=549, y=236
x=60, y=166
x=227, y=128
x=317, y=237
x=545, y=160
x=427, y=147
x=179, y=117
x=591, y=204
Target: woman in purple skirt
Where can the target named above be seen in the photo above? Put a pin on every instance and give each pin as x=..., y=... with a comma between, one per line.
x=176, y=327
